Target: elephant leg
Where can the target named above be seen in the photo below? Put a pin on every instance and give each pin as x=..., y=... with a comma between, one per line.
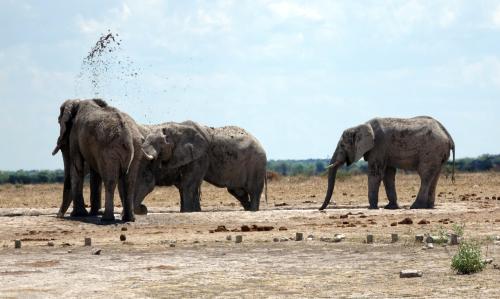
x=109, y=189
x=373, y=187
x=242, y=196
x=77, y=175
x=255, y=196
x=432, y=191
x=95, y=192
x=128, y=201
x=427, y=177
x=192, y=177
x=66, y=200
x=390, y=188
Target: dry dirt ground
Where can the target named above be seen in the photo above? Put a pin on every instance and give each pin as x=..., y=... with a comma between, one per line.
x=169, y=254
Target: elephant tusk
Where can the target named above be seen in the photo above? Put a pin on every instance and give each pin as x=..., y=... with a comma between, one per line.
x=56, y=149
x=148, y=156
x=335, y=164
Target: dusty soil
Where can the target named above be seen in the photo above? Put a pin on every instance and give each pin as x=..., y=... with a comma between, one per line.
x=169, y=254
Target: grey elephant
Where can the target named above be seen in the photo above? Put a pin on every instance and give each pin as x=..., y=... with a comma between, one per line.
x=184, y=154
x=109, y=141
x=419, y=143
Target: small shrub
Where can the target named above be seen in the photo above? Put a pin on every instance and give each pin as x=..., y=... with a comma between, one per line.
x=458, y=229
x=468, y=258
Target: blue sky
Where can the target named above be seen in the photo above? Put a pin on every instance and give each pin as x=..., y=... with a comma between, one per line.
x=293, y=73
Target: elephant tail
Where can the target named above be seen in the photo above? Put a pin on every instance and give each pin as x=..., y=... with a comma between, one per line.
x=265, y=186
x=452, y=148
x=128, y=142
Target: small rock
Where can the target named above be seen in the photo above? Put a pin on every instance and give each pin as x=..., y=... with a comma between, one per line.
x=454, y=239
x=283, y=239
x=299, y=236
x=124, y=229
x=17, y=244
x=424, y=221
x=310, y=237
x=282, y=228
x=70, y=251
x=394, y=238
x=407, y=220
x=229, y=237
x=238, y=239
x=172, y=245
x=87, y=242
x=338, y=237
x=97, y=252
x=419, y=238
x=50, y=244
x=430, y=246
x=394, y=224
x=488, y=261
x=429, y=239
x=123, y=237
x=245, y=228
x=221, y=228
x=410, y=273
x=369, y=239
x=276, y=239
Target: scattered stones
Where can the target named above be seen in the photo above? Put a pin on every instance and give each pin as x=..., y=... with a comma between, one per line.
x=344, y=216
x=410, y=273
x=172, y=245
x=394, y=238
x=87, y=242
x=253, y=228
x=407, y=220
x=488, y=261
x=299, y=236
x=282, y=228
x=229, y=237
x=369, y=239
x=50, y=244
x=17, y=244
x=124, y=228
x=97, y=251
x=454, y=239
x=238, y=239
x=221, y=228
x=419, y=238
x=394, y=224
x=65, y=244
x=424, y=221
x=123, y=237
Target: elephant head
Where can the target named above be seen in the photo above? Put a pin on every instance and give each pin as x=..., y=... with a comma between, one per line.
x=67, y=113
x=177, y=145
x=354, y=143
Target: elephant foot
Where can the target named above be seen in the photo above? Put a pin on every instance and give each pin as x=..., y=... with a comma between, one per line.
x=79, y=213
x=108, y=218
x=392, y=206
x=371, y=207
x=141, y=210
x=418, y=205
x=128, y=218
x=96, y=212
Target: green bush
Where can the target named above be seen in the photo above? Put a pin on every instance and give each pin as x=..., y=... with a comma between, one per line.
x=468, y=258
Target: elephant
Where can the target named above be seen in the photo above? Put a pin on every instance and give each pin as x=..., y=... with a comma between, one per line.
x=109, y=141
x=184, y=154
x=419, y=143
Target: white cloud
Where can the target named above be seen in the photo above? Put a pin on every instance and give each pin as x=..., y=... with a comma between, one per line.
x=495, y=17
x=287, y=10
x=447, y=18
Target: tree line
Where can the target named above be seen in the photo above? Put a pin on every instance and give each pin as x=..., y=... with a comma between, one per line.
x=308, y=167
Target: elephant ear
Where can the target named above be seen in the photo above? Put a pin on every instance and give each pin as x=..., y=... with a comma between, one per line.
x=66, y=115
x=364, y=140
x=189, y=145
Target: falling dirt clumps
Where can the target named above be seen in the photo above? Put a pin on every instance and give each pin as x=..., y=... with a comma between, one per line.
x=105, y=66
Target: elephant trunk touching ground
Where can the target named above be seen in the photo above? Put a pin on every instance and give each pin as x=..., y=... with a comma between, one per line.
x=332, y=174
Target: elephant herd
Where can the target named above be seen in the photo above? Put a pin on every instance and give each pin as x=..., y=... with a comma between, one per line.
x=106, y=143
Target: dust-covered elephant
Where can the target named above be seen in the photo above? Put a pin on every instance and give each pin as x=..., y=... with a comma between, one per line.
x=184, y=154
x=109, y=141
x=420, y=143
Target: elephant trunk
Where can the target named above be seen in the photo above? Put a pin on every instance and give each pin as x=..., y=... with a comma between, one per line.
x=332, y=174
